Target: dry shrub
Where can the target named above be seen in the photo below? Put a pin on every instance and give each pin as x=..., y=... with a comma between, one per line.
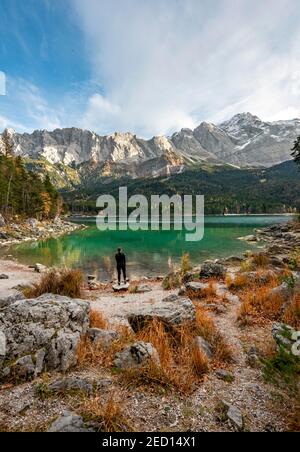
x=260, y=304
x=89, y=354
x=98, y=321
x=291, y=314
x=240, y=281
x=186, y=264
x=94, y=355
x=172, y=281
x=206, y=328
x=207, y=293
x=109, y=417
x=200, y=361
x=260, y=260
x=67, y=283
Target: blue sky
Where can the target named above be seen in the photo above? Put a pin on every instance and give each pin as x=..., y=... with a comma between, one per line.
x=151, y=66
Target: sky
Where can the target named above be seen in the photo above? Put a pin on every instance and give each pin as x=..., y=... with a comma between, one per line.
x=150, y=67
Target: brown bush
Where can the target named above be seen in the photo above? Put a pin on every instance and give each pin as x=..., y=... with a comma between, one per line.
x=97, y=320
x=291, y=315
x=67, y=283
x=109, y=417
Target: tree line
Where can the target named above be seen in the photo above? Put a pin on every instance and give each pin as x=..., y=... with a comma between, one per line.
x=22, y=192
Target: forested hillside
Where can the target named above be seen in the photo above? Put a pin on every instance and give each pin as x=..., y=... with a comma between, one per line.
x=25, y=193
x=226, y=189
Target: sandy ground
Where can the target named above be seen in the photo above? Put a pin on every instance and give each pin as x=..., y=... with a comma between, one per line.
x=18, y=275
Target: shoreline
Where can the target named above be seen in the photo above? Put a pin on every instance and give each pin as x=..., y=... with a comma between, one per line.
x=33, y=231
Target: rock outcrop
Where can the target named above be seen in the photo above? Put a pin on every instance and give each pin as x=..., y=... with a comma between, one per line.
x=43, y=333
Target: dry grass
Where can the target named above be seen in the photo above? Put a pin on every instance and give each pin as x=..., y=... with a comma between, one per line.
x=239, y=282
x=260, y=260
x=206, y=328
x=291, y=315
x=186, y=265
x=172, y=281
x=67, y=283
x=260, y=304
x=98, y=321
x=109, y=417
x=207, y=293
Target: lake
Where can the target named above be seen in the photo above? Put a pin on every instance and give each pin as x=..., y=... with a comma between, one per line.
x=149, y=253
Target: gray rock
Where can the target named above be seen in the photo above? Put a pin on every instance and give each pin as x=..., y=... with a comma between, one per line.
x=120, y=288
x=71, y=384
x=9, y=299
x=39, y=268
x=2, y=221
x=2, y=345
x=283, y=335
x=172, y=313
x=4, y=276
x=212, y=270
x=218, y=308
x=204, y=346
x=50, y=322
x=224, y=375
x=32, y=222
x=103, y=337
x=252, y=358
x=143, y=288
x=24, y=368
x=69, y=423
x=39, y=362
x=234, y=416
x=182, y=291
x=196, y=287
x=136, y=355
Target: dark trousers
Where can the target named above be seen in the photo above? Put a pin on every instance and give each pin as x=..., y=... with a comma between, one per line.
x=121, y=269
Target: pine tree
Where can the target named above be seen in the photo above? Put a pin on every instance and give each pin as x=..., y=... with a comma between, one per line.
x=7, y=144
x=296, y=151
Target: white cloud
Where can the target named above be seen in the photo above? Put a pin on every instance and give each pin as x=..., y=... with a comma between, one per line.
x=167, y=64
x=29, y=108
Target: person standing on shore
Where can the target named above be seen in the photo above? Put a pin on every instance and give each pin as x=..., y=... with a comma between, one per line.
x=121, y=265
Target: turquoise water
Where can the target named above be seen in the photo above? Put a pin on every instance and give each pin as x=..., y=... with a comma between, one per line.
x=148, y=252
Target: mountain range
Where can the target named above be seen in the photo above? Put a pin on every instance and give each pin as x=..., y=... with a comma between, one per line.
x=75, y=157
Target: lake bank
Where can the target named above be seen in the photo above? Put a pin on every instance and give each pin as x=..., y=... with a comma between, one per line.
x=149, y=253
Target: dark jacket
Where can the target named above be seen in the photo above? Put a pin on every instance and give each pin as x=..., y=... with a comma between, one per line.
x=121, y=259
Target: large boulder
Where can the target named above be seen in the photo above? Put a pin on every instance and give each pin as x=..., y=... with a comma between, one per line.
x=48, y=327
x=10, y=297
x=172, y=312
x=136, y=355
x=212, y=270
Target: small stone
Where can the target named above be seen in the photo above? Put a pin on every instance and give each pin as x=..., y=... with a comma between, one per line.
x=224, y=375
x=4, y=276
x=103, y=337
x=144, y=288
x=204, y=346
x=71, y=384
x=69, y=423
x=2, y=345
x=234, y=416
x=253, y=358
x=136, y=355
x=212, y=270
x=24, y=368
x=120, y=288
